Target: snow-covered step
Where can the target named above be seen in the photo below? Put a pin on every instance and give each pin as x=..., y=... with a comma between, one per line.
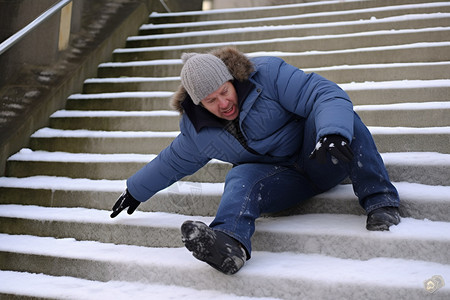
x=406, y=114
x=124, y=101
x=150, y=85
x=22, y=284
x=267, y=11
x=420, y=167
x=409, y=21
x=431, y=114
x=160, y=120
x=291, y=44
x=304, y=18
x=284, y=275
x=384, y=72
x=361, y=93
x=409, y=139
x=88, y=141
x=200, y=198
x=398, y=91
x=405, y=53
x=388, y=139
x=326, y=234
x=97, y=166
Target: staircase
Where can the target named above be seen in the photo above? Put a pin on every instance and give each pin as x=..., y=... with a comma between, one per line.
x=393, y=59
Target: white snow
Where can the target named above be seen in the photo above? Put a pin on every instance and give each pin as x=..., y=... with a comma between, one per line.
x=305, y=39
x=408, y=17
x=40, y=285
x=131, y=79
x=82, y=133
x=395, y=84
x=120, y=95
x=112, y=113
x=404, y=9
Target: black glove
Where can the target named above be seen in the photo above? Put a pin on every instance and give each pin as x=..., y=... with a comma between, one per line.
x=125, y=200
x=334, y=144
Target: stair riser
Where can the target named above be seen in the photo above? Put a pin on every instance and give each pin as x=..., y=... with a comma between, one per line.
x=413, y=143
x=108, y=170
x=408, y=95
x=269, y=34
x=196, y=204
x=427, y=174
x=165, y=123
x=106, y=87
x=325, y=244
x=124, y=104
x=308, y=60
x=346, y=16
x=101, y=145
x=408, y=118
x=324, y=44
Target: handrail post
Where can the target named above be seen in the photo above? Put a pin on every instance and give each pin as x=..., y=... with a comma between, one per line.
x=9, y=42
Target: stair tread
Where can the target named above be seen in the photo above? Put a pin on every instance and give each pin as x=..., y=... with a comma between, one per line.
x=263, y=265
x=407, y=190
x=41, y=285
x=414, y=158
x=309, y=224
x=232, y=31
x=354, y=12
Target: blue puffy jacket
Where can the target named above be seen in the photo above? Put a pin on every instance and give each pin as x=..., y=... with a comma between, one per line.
x=275, y=99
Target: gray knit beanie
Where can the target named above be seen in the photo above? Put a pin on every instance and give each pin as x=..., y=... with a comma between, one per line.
x=202, y=74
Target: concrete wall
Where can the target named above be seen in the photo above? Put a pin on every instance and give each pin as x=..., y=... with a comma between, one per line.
x=37, y=76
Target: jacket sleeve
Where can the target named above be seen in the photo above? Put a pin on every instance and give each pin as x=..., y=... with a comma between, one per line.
x=179, y=159
x=311, y=95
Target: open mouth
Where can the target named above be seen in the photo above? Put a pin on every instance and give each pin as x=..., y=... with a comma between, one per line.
x=229, y=111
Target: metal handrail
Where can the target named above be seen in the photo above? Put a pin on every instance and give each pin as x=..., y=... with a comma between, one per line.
x=30, y=27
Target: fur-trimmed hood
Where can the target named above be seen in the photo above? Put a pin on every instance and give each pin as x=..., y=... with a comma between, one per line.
x=237, y=63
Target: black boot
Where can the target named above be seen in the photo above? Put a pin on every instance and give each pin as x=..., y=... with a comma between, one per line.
x=216, y=248
x=382, y=218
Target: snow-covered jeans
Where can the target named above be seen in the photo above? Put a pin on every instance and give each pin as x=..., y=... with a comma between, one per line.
x=252, y=189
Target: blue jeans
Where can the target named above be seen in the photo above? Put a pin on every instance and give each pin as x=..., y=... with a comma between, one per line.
x=252, y=189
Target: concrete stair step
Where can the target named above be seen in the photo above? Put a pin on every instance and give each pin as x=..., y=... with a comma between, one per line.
x=267, y=11
x=292, y=44
x=384, y=72
x=23, y=285
x=306, y=18
x=283, y=275
x=406, y=53
x=404, y=114
x=156, y=85
x=419, y=240
x=418, y=167
x=201, y=198
x=137, y=87
x=388, y=139
x=267, y=32
x=122, y=101
x=161, y=120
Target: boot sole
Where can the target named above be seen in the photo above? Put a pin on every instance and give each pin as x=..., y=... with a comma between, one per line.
x=200, y=239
